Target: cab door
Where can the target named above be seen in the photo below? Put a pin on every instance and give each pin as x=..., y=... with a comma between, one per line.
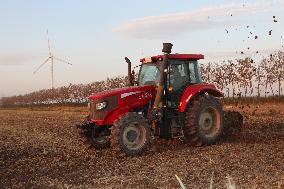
x=177, y=78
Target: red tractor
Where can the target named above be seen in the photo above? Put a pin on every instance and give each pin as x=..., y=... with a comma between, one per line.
x=168, y=100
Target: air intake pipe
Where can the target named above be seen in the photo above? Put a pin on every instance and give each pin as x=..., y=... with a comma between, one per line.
x=167, y=49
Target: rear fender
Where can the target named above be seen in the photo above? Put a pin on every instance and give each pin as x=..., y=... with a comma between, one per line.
x=192, y=90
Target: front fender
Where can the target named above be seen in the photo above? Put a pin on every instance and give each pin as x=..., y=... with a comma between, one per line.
x=192, y=90
x=127, y=102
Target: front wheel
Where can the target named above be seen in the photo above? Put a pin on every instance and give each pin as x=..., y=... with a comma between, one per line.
x=131, y=134
x=204, y=121
x=99, y=140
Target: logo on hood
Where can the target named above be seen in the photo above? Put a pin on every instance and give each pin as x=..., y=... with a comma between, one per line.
x=123, y=95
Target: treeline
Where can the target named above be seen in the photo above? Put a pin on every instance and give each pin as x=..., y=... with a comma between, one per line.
x=246, y=77
x=71, y=94
x=236, y=78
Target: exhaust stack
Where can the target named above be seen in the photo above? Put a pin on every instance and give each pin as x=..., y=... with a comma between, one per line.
x=130, y=77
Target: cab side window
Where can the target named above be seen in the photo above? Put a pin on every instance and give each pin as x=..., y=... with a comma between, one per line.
x=192, y=74
x=178, y=75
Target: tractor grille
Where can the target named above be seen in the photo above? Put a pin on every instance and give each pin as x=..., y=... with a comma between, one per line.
x=99, y=114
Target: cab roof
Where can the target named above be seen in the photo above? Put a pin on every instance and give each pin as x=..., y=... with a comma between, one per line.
x=175, y=56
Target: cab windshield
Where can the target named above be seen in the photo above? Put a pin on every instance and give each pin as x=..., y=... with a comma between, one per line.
x=149, y=74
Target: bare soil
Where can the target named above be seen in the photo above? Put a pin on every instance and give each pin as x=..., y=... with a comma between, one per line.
x=41, y=148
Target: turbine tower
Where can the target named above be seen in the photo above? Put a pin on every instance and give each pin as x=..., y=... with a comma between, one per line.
x=51, y=59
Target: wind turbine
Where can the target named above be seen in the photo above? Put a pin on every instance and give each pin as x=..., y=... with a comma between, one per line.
x=51, y=59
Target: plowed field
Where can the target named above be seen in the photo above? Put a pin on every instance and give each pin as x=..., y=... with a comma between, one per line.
x=40, y=148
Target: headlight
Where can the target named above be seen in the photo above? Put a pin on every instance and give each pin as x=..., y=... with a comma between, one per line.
x=101, y=105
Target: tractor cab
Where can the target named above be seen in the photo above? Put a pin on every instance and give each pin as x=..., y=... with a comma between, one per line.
x=185, y=65
x=182, y=70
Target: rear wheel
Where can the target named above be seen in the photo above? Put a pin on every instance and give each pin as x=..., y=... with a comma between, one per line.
x=204, y=121
x=131, y=134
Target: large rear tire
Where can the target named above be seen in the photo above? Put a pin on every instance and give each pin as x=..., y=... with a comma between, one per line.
x=131, y=133
x=204, y=121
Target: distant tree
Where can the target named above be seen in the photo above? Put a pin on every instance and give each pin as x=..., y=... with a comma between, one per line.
x=267, y=65
x=231, y=76
x=245, y=73
x=219, y=78
x=277, y=68
x=260, y=79
x=206, y=71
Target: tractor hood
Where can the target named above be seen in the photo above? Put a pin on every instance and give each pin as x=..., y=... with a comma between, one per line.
x=123, y=92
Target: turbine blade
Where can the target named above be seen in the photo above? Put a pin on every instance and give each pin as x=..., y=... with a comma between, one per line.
x=61, y=60
x=48, y=42
x=42, y=65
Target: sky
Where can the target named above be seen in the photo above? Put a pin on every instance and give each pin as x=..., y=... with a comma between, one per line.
x=95, y=36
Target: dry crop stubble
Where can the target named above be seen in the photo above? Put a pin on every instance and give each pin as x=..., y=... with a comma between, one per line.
x=43, y=149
